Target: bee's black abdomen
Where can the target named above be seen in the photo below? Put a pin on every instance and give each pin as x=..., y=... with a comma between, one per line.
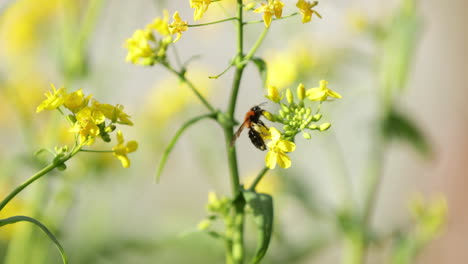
x=256, y=139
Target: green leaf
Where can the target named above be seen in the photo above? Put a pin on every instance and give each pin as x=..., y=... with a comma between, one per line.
x=400, y=127
x=262, y=210
x=262, y=68
x=21, y=218
x=174, y=140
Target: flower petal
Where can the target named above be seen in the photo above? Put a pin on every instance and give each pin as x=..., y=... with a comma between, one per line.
x=286, y=146
x=283, y=160
x=275, y=134
x=333, y=94
x=132, y=146
x=316, y=94
x=270, y=159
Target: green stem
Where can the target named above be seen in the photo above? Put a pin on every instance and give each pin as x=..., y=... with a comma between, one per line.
x=38, y=175
x=235, y=254
x=96, y=151
x=261, y=21
x=182, y=77
x=214, y=22
x=176, y=138
x=259, y=178
x=256, y=46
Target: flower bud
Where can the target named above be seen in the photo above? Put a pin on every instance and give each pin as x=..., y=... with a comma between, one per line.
x=273, y=94
x=317, y=117
x=313, y=127
x=324, y=126
x=306, y=135
x=204, y=224
x=110, y=128
x=301, y=91
x=269, y=116
x=289, y=96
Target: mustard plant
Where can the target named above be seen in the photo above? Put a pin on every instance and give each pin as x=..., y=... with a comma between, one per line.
x=89, y=120
x=298, y=113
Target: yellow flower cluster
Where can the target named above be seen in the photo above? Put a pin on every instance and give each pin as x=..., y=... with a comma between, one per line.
x=91, y=118
x=145, y=49
x=275, y=8
x=277, y=149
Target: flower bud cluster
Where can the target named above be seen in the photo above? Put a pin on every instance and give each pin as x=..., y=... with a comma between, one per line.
x=295, y=114
x=90, y=119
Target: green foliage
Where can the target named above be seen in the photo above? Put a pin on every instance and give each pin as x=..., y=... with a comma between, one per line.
x=399, y=127
x=20, y=218
x=262, y=69
x=262, y=211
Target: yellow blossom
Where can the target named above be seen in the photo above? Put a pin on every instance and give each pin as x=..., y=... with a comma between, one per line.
x=76, y=100
x=161, y=25
x=55, y=99
x=273, y=94
x=139, y=48
x=200, y=7
x=177, y=26
x=430, y=217
x=277, y=150
x=273, y=7
x=113, y=113
x=321, y=93
x=306, y=10
x=121, y=150
x=87, y=121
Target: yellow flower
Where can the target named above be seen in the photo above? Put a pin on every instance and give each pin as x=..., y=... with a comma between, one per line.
x=76, y=100
x=321, y=93
x=430, y=216
x=113, y=113
x=273, y=94
x=87, y=121
x=121, y=150
x=139, y=48
x=273, y=7
x=55, y=99
x=177, y=26
x=200, y=7
x=161, y=25
x=306, y=10
x=277, y=150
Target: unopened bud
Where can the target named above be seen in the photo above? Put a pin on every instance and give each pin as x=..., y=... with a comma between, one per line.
x=317, y=117
x=301, y=91
x=289, y=96
x=204, y=224
x=324, y=126
x=269, y=116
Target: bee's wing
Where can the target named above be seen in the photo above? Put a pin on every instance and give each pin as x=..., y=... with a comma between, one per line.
x=239, y=131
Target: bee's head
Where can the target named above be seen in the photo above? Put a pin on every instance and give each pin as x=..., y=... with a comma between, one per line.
x=257, y=109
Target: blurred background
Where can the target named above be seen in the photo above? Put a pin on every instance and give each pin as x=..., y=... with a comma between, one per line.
x=105, y=214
